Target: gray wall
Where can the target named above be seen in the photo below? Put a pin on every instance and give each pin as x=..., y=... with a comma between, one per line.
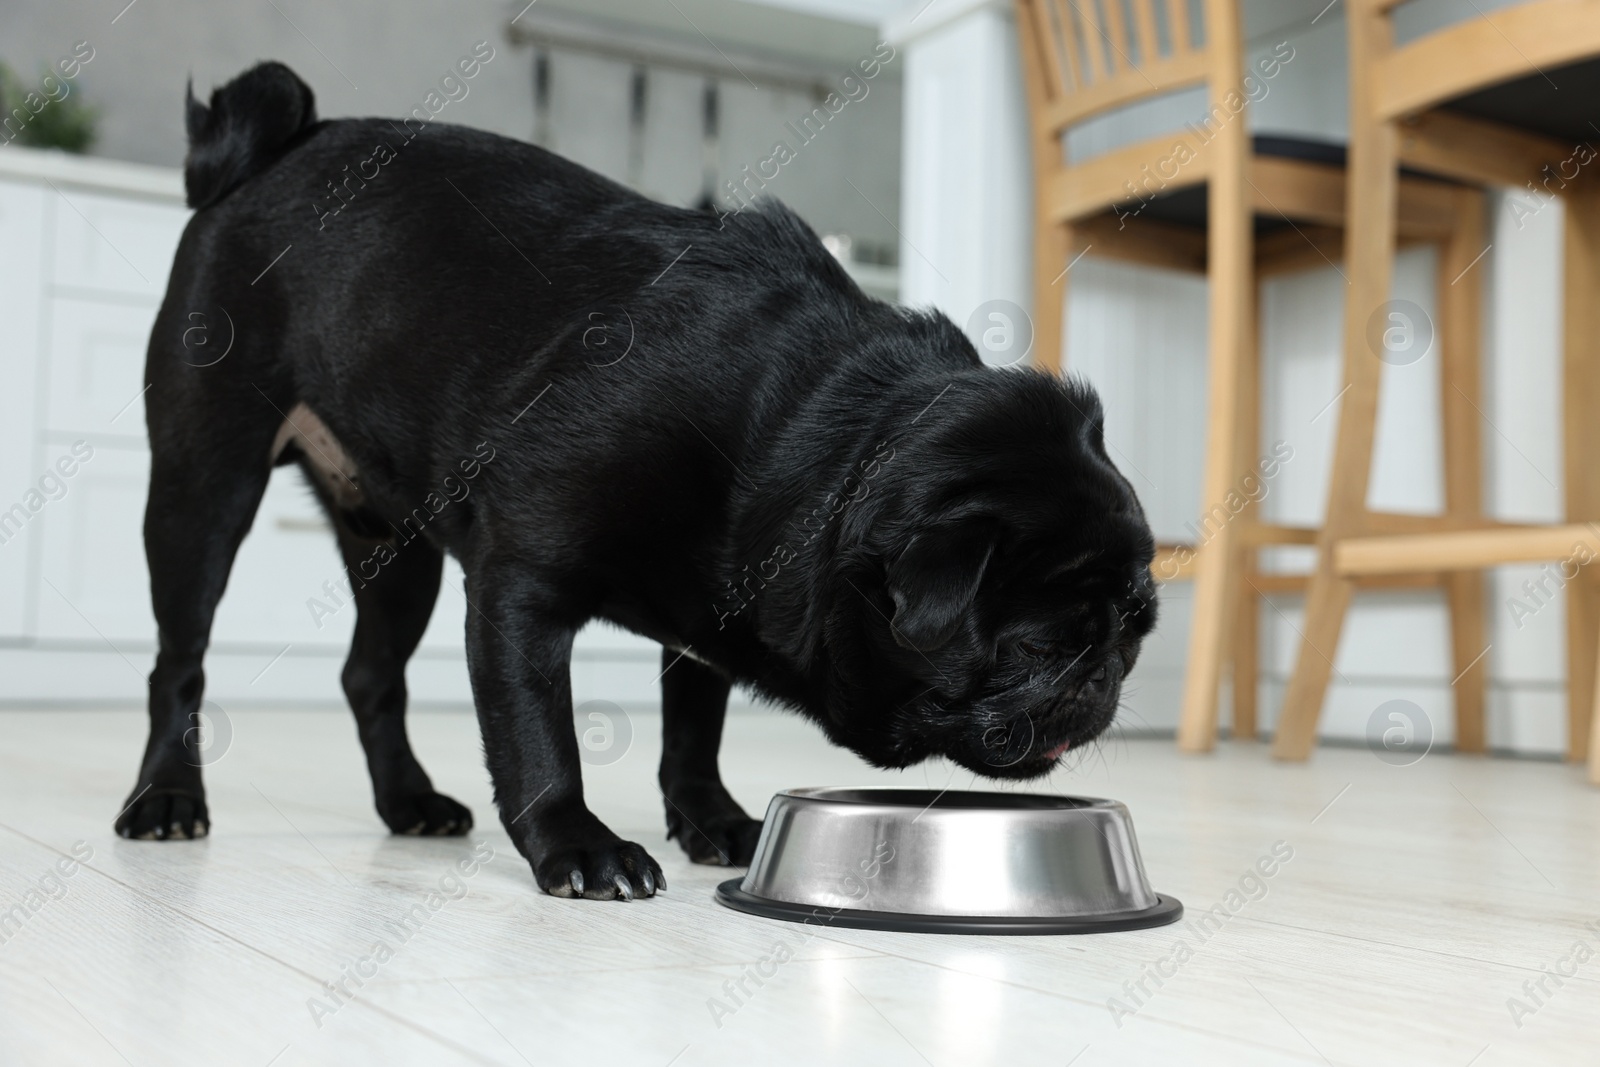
x=365, y=58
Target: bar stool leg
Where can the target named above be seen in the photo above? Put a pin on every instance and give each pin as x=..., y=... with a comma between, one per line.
x=1583, y=624
x=1581, y=443
x=1052, y=247
x=1246, y=657
x=1230, y=271
x=1467, y=592
x=1460, y=288
x=1369, y=265
x=1594, y=734
x=1244, y=650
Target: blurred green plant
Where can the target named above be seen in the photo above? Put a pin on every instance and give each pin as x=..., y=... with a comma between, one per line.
x=33, y=116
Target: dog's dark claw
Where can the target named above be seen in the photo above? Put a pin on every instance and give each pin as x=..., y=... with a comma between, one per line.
x=618, y=871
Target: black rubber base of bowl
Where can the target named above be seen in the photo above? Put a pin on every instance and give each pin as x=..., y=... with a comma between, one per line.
x=1167, y=910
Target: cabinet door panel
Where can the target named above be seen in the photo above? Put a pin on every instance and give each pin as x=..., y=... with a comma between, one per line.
x=94, y=557
x=93, y=581
x=114, y=243
x=96, y=369
x=288, y=583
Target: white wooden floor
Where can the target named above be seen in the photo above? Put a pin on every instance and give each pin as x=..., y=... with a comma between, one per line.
x=1419, y=901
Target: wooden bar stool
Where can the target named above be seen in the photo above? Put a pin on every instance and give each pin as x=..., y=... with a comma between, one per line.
x=1211, y=200
x=1478, y=102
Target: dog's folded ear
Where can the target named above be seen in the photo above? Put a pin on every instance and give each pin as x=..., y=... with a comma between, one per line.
x=934, y=580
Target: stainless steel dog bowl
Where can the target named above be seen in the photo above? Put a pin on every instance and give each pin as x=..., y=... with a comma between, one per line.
x=950, y=862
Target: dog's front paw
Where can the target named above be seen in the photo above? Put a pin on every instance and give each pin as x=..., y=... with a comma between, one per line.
x=607, y=871
x=164, y=815
x=722, y=840
x=426, y=815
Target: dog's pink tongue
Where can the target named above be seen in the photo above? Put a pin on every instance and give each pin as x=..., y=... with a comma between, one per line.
x=1055, y=753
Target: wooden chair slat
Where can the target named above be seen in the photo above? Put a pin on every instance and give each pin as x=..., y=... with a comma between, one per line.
x=1072, y=50
x=1060, y=44
x=1091, y=34
x=1178, y=26
x=1038, y=46
x=1117, y=37
x=1144, y=13
x=1166, y=76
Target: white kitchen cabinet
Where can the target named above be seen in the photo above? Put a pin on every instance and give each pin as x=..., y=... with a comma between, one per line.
x=113, y=243
x=94, y=586
x=22, y=209
x=94, y=370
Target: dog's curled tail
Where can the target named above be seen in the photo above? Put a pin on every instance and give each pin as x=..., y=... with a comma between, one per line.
x=248, y=124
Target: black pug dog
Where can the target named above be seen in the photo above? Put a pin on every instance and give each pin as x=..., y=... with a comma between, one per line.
x=696, y=427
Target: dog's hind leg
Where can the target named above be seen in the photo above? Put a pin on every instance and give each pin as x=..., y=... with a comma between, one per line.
x=207, y=474
x=395, y=589
x=701, y=814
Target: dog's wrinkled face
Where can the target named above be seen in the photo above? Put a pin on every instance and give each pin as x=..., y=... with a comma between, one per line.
x=1036, y=666
x=1015, y=588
